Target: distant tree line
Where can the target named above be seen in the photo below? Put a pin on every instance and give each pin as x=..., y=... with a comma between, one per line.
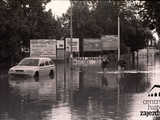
x=92, y=19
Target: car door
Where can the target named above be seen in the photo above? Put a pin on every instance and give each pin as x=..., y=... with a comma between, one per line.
x=52, y=65
x=42, y=68
x=47, y=67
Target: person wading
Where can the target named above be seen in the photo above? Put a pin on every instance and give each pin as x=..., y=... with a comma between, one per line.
x=104, y=63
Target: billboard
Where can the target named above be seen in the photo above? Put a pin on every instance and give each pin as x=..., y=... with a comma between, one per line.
x=43, y=48
x=75, y=44
x=109, y=42
x=60, y=44
x=91, y=44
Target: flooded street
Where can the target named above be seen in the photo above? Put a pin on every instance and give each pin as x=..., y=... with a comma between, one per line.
x=81, y=93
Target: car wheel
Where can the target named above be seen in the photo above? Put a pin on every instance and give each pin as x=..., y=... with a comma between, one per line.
x=36, y=76
x=51, y=74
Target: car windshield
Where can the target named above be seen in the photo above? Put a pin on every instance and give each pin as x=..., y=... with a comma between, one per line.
x=29, y=62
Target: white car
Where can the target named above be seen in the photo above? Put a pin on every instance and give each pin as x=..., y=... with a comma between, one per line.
x=33, y=66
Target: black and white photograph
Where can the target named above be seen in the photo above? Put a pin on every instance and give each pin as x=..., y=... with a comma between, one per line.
x=79, y=60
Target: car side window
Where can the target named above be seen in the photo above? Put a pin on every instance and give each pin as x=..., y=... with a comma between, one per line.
x=42, y=64
x=46, y=63
x=51, y=62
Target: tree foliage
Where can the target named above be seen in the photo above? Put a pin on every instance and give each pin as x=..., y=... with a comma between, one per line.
x=136, y=34
x=84, y=24
x=150, y=14
x=96, y=18
x=22, y=20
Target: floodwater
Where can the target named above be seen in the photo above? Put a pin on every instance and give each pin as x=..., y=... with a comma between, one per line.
x=81, y=93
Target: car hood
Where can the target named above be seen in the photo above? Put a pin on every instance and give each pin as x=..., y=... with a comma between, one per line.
x=24, y=67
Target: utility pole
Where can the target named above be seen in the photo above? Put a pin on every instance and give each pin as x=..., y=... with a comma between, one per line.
x=71, y=31
x=119, y=39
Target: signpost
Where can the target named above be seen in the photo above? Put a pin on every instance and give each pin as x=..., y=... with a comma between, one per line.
x=72, y=45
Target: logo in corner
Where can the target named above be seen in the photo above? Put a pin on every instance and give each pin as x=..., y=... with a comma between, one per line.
x=154, y=93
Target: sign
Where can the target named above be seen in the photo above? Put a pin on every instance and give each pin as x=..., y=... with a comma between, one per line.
x=109, y=42
x=75, y=44
x=60, y=44
x=43, y=48
x=91, y=45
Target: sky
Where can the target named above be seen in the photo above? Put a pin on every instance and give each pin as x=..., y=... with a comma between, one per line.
x=58, y=7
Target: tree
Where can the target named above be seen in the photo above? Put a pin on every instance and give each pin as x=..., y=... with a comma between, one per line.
x=150, y=14
x=132, y=31
x=22, y=20
x=84, y=24
x=106, y=16
x=136, y=35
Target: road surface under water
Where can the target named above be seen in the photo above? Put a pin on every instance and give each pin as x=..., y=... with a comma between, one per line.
x=82, y=93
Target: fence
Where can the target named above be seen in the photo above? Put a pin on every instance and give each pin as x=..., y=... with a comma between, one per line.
x=87, y=60
x=112, y=60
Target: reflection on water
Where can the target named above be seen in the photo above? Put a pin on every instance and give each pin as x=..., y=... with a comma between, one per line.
x=79, y=93
x=134, y=83
x=28, y=99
